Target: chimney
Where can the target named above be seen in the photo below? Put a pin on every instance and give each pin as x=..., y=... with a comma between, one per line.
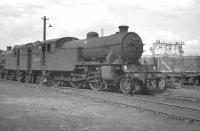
x=9, y=48
x=123, y=28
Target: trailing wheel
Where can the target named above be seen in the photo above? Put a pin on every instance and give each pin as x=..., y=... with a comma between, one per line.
x=76, y=82
x=96, y=84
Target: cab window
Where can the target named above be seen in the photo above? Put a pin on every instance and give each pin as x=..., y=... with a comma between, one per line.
x=50, y=47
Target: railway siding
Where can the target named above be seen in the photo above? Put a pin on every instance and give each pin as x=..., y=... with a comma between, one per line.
x=158, y=107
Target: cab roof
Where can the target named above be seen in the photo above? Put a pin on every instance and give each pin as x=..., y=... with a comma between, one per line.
x=58, y=41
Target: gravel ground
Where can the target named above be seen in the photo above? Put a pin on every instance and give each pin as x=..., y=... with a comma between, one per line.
x=36, y=109
x=188, y=92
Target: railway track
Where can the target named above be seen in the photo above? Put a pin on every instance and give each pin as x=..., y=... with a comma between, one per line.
x=158, y=107
x=189, y=99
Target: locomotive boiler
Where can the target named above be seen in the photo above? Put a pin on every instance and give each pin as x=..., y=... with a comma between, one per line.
x=124, y=45
x=97, y=62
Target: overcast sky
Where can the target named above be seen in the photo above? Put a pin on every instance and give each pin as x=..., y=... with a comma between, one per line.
x=168, y=20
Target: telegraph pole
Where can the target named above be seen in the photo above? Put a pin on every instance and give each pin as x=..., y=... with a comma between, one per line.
x=44, y=27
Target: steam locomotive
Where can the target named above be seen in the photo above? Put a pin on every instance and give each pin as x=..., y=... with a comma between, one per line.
x=97, y=62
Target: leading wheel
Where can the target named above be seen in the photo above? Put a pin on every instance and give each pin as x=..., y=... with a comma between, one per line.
x=129, y=86
x=125, y=85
